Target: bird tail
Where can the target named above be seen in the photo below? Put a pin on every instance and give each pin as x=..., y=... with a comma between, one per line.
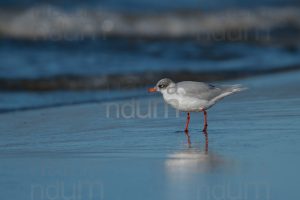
x=236, y=88
x=229, y=90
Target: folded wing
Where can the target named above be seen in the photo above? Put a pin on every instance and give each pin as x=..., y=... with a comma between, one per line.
x=204, y=91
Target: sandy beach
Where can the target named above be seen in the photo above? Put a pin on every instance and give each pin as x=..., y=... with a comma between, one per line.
x=137, y=149
x=77, y=121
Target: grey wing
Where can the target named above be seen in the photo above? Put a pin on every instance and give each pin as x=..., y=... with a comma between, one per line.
x=206, y=91
x=199, y=90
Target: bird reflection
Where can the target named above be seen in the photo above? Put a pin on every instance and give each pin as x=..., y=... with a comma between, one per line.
x=206, y=141
x=190, y=143
x=195, y=158
x=187, y=170
x=188, y=137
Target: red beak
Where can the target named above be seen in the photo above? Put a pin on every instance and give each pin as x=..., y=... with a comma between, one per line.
x=152, y=90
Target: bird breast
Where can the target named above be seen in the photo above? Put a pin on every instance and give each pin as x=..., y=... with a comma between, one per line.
x=184, y=103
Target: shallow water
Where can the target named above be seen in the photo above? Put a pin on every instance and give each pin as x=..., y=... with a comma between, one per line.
x=251, y=150
x=54, y=43
x=134, y=5
x=45, y=59
x=38, y=59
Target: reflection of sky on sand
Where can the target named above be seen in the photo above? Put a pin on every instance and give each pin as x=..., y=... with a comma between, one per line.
x=183, y=163
x=193, y=159
x=188, y=171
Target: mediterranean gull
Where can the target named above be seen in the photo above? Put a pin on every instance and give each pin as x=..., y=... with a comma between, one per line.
x=191, y=96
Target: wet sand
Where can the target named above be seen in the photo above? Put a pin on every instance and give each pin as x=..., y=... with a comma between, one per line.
x=251, y=150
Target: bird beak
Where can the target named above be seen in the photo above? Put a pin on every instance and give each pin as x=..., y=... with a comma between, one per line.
x=152, y=89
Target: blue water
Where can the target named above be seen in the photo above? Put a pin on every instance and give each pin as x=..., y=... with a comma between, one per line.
x=42, y=59
x=25, y=59
x=139, y=5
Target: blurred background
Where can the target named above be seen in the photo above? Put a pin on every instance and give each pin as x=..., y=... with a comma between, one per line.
x=63, y=52
x=57, y=53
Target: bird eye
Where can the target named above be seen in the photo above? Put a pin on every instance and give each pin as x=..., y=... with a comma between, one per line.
x=160, y=86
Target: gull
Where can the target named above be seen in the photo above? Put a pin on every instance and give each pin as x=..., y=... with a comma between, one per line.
x=191, y=96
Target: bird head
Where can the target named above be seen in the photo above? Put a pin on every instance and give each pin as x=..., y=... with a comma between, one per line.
x=162, y=85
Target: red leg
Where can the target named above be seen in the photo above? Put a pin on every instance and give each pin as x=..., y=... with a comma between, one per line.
x=205, y=121
x=187, y=122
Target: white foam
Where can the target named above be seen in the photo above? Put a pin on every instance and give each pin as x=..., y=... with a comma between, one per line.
x=45, y=22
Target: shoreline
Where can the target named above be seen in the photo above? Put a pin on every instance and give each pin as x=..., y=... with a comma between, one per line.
x=140, y=95
x=129, y=81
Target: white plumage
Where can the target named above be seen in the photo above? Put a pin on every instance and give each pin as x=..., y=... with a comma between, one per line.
x=190, y=96
x=193, y=96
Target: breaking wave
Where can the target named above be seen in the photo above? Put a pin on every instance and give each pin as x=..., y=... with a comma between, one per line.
x=127, y=81
x=53, y=23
